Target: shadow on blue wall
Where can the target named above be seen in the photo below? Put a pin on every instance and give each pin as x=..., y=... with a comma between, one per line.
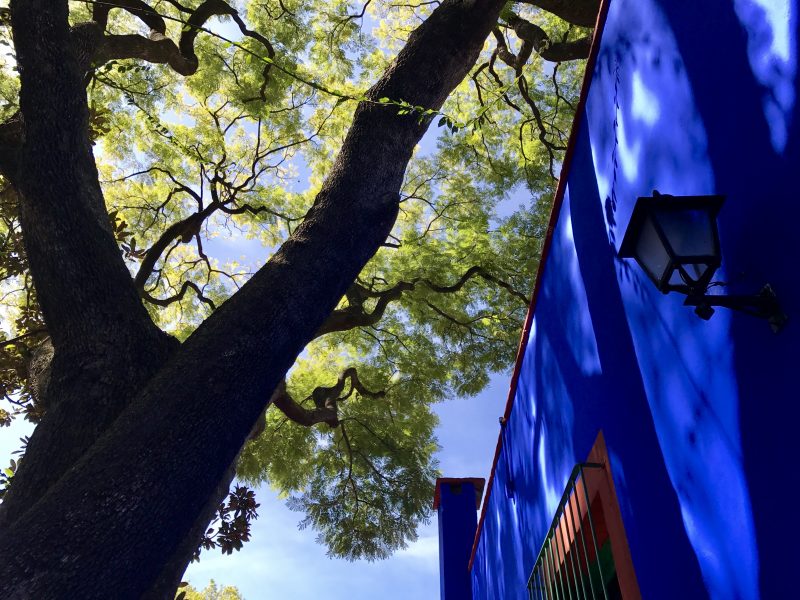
x=686, y=98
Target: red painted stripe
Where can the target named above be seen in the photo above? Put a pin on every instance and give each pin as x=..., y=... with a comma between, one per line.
x=548, y=240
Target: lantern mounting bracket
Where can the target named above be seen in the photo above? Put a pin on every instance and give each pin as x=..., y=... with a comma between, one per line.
x=764, y=305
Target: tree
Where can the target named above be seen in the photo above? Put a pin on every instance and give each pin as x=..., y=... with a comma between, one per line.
x=210, y=592
x=138, y=429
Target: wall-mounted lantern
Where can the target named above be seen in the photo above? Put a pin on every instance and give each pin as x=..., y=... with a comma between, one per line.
x=676, y=242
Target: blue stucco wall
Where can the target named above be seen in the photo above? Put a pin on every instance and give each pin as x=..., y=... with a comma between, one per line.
x=700, y=418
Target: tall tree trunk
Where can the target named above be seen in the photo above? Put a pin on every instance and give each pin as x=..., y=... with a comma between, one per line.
x=106, y=346
x=108, y=526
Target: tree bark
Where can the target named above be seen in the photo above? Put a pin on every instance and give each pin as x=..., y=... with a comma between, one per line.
x=545, y=47
x=108, y=526
x=577, y=12
x=172, y=571
x=106, y=347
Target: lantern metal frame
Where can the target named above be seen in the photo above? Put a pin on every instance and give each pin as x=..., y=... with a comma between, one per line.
x=764, y=304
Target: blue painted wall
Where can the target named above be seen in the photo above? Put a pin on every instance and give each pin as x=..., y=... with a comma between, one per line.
x=700, y=418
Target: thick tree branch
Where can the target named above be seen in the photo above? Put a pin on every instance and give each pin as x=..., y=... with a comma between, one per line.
x=517, y=62
x=94, y=316
x=577, y=12
x=137, y=8
x=326, y=400
x=182, y=230
x=538, y=40
x=157, y=48
x=354, y=315
x=301, y=415
x=178, y=296
x=503, y=53
x=476, y=271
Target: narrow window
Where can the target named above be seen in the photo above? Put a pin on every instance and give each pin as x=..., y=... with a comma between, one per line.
x=585, y=553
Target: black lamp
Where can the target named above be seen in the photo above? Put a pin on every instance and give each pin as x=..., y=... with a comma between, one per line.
x=676, y=241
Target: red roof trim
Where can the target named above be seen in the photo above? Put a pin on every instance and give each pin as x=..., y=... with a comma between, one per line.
x=554, y=214
x=477, y=482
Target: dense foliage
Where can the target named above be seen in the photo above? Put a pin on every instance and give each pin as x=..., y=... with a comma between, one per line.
x=208, y=165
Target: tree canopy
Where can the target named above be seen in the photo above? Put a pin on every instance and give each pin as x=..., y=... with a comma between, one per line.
x=216, y=128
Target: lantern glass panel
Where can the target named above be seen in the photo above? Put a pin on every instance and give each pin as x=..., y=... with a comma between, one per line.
x=651, y=253
x=690, y=232
x=695, y=271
